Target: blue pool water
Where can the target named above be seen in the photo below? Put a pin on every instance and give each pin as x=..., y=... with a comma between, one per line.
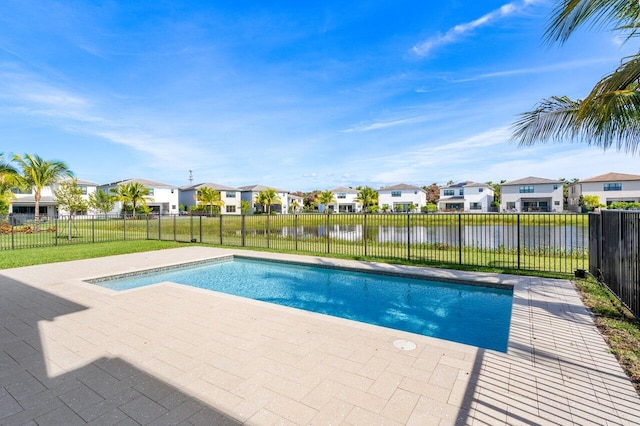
x=478, y=316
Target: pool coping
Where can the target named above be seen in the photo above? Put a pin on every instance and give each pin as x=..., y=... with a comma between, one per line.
x=417, y=273
x=257, y=364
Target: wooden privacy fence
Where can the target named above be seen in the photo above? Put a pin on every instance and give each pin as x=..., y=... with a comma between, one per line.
x=549, y=242
x=614, y=254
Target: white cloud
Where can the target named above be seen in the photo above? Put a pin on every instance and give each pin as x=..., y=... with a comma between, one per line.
x=454, y=34
x=537, y=70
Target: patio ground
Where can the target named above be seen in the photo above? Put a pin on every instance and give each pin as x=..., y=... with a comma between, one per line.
x=73, y=353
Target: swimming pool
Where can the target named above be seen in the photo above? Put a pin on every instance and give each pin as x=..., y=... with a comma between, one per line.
x=470, y=314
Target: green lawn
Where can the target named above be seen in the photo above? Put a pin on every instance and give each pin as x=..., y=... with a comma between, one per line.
x=40, y=255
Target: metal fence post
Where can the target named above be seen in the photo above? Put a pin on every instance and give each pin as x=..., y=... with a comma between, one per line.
x=175, y=230
x=408, y=236
x=124, y=227
x=93, y=229
x=13, y=234
x=191, y=228
x=200, y=228
x=364, y=233
x=328, y=247
x=518, y=239
x=159, y=228
x=242, y=230
x=460, y=238
x=268, y=231
x=295, y=231
x=220, y=228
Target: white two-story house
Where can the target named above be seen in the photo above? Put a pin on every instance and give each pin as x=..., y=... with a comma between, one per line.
x=346, y=200
x=609, y=188
x=531, y=194
x=402, y=198
x=466, y=197
x=24, y=201
x=228, y=195
x=250, y=194
x=162, y=198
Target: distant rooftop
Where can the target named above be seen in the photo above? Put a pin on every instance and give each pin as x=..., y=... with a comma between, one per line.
x=531, y=180
x=258, y=188
x=144, y=182
x=400, y=187
x=211, y=185
x=611, y=177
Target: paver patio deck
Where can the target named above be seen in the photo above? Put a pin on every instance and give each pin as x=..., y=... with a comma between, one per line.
x=74, y=353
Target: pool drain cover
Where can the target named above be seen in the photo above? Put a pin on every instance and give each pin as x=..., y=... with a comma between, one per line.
x=404, y=345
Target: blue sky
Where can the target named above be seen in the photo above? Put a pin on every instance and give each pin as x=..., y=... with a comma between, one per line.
x=295, y=95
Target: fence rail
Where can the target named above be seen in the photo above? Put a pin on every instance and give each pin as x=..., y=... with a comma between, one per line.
x=539, y=242
x=614, y=254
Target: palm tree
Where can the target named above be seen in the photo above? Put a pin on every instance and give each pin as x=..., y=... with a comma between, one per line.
x=132, y=192
x=367, y=197
x=267, y=198
x=38, y=173
x=102, y=201
x=8, y=180
x=326, y=197
x=209, y=197
x=609, y=115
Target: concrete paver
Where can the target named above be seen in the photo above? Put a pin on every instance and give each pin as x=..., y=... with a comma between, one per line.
x=75, y=353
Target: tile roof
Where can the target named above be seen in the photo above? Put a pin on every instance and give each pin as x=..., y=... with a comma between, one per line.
x=344, y=189
x=401, y=186
x=531, y=180
x=145, y=182
x=258, y=188
x=611, y=177
x=215, y=186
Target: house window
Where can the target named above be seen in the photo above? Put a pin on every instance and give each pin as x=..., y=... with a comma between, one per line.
x=231, y=194
x=151, y=192
x=172, y=190
x=480, y=189
x=475, y=206
x=613, y=186
x=555, y=187
x=396, y=193
x=556, y=203
x=231, y=209
x=341, y=195
x=173, y=206
x=21, y=191
x=461, y=192
x=528, y=189
x=448, y=192
x=83, y=188
x=511, y=205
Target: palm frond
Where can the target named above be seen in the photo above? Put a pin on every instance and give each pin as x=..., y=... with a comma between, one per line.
x=553, y=120
x=569, y=15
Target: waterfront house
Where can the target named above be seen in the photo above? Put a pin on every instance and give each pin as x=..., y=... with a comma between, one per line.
x=609, y=188
x=230, y=196
x=162, y=198
x=346, y=201
x=531, y=194
x=402, y=198
x=250, y=193
x=466, y=197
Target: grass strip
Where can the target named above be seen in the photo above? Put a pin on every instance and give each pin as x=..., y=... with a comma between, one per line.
x=618, y=326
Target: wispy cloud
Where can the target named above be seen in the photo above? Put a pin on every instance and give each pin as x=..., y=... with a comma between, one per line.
x=456, y=33
x=535, y=70
x=383, y=124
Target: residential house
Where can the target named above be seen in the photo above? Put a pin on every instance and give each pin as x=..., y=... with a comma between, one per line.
x=24, y=201
x=346, y=201
x=466, y=197
x=87, y=188
x=402, y=198
x=609, y=188
x=295, y=203
x=163, y=198
x=250, y=194
x=531, y=194
x=228, y=195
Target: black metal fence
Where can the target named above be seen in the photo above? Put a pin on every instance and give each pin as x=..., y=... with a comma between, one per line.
x=540, y=242
x=614, y=254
